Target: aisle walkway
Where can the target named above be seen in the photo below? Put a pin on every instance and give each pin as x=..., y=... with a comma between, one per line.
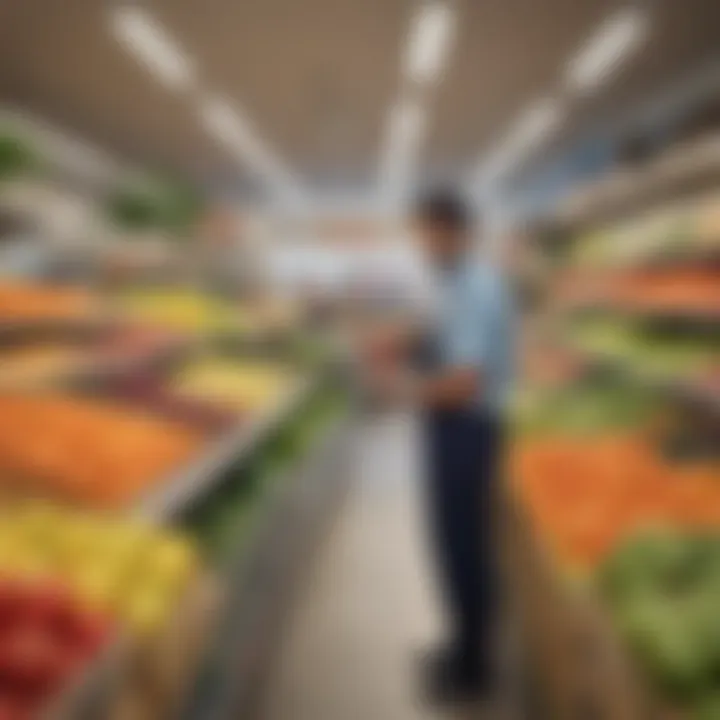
x=369, y=607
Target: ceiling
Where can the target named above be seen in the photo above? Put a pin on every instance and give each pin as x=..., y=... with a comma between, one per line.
x=317, y=78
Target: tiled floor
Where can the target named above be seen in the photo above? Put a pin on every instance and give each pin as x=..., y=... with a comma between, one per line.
x=369, y=607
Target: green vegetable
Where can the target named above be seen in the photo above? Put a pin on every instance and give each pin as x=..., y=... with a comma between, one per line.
x=16, y=155
x=708, y=708
x=663, y=589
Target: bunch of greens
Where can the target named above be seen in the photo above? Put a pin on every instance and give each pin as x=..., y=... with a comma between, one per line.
x=663, y=588
x=155, y=205
x=17, y=157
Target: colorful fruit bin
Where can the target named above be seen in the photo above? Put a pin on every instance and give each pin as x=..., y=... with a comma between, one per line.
x=131, y=603
x=87, y=451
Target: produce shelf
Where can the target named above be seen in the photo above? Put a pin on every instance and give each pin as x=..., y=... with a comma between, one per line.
x=683, y=388
x=702, y=318
x=689, y=255
x=96, y=691
x=691, y=165
x=186, y=487
x=585, y=669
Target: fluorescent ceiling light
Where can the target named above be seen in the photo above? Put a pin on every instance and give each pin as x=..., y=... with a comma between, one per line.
x=534, y=126
x=407, y=120
x=616, y=39
x=405, y=130
x=537, y=123
x=431, y=34
x=233, y=130
x=144, y=38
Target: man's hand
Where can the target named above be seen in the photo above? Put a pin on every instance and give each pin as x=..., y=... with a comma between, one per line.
x=453, y=388
x=456, y=388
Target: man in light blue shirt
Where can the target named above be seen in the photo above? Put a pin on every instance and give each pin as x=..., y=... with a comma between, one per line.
x=461, y=388
x=475, y=329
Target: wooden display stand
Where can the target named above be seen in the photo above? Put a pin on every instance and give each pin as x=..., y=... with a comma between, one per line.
x=146, y=679
x=584, y=671
x=160, y=671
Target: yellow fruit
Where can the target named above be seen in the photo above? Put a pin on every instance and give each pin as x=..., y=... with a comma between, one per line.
x=246, y=384
x=98, y=586
x=146, y=612
x=173, y=562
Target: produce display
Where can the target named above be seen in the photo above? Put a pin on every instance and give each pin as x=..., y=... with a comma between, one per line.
x=584, y=407
x=133, y=342
x=45, y=362
x=586, y=494
x=47, y=640
x=182, y=311
x=651, y=351
x=32, y=366
x=663, y=589
x=678, y=232
x=87, y=451
x=671, y=291
x=21, y=302
x=149, y=392
x=242, y=384
x=83, y=451
x=616, y=468
x=125, y=570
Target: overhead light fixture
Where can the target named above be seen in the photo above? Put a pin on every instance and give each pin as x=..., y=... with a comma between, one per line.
x=406, y=123
x=533, y=127
x=407, y=120
x=620, y=35
x=143, y=37
x=235, y=132
x=537, y=123
x=430, y=36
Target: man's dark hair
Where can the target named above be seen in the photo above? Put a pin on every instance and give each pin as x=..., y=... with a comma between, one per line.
x=445, y=207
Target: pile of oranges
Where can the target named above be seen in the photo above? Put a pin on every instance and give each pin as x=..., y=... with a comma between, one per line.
x=87, y=451
x=586, y=495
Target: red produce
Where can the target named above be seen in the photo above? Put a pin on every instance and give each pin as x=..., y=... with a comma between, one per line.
x=31, y=661
x=11, y=602
x=48, y=643
x=12, y=709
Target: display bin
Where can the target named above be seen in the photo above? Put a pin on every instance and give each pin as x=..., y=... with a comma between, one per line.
x=156, y=678
x=159, y=670
x=96, y=692
x=584, y=671
x=148, y=678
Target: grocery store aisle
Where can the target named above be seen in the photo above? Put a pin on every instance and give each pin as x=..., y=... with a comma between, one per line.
x=369, y=607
